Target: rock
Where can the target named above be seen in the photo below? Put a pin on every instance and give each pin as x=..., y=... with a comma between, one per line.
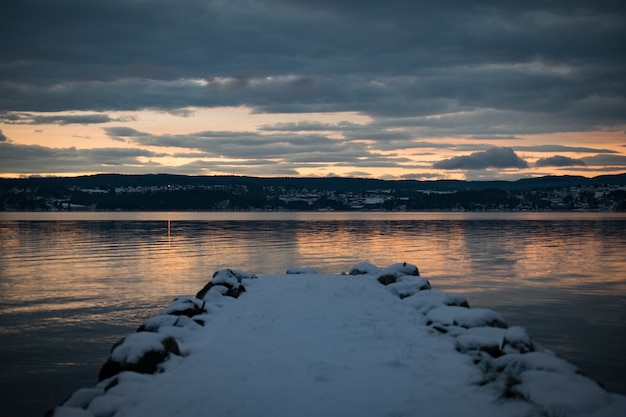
x=109, y=369
x=365, y=268
x=495, y=341
x=548, y=382
x=391, y=274
x=229, y=278
x=141, y=352
x=296, y=271
x=424, y=301
x=153, y=324
x=517, y=340
x=407, y=285
x=387, y=279
x=228, y=290
x=185, y=306
x=465, y=317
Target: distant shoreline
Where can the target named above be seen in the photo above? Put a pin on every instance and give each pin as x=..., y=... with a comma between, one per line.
x=246, y=194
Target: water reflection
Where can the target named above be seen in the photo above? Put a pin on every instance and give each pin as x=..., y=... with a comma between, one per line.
x=44, y=262
x=77, y=259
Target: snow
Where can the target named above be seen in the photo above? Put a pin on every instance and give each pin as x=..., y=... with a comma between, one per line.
x=424, y=301
x=365, y=268
x=401, y=269
x=339, y=345
x=231, y=276
x=136, y=345
x=297, y=271
x=464, y=317
x=408, y=285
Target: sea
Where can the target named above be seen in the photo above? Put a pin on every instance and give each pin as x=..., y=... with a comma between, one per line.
x=73, y=283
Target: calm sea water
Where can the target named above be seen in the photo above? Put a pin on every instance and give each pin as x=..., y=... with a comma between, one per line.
x=71, y=284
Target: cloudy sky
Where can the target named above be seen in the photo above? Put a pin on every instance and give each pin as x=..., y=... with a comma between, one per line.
x=388, y=89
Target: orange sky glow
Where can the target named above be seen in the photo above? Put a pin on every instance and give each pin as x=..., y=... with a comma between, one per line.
x=411, y=161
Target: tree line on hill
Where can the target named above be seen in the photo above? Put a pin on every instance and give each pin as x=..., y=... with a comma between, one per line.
x=231, y=193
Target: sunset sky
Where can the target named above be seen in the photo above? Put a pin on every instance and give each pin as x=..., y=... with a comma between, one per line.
x=394, y=89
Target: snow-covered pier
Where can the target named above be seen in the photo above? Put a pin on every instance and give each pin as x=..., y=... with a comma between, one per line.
x=371, y=342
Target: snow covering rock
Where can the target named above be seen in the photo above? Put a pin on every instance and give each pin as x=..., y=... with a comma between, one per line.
x=541, y=361
x=391, y=274
x=552, y=384
x=185, y=306
x=334, y=345
x=153, y=324
x=141, y=352
x=408, y=285
x=424, y=301
x=365, y=268
x=231, y=279
x=184, y=311
x=495, y=341
x=231, y=276
x=135, y=346
x=565, y=394
x=82, y=397
x=464, y=317
x=400, y=269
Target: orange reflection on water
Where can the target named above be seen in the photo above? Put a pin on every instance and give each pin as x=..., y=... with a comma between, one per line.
x=47, y=264
x=478, y=255
x=436, y=248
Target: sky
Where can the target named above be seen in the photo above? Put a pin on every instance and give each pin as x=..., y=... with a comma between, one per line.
x=395, y=89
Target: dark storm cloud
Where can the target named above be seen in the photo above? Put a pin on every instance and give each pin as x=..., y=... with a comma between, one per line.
x=559, y=161
x=295, y=150
x=231, y=144
x=308, y=126
x=492, y=158
x=59, y=119
x=487, y=124
x=21, y=158
x=562, y=148
x=606, y=160
x=121, y=131
x=561, y=59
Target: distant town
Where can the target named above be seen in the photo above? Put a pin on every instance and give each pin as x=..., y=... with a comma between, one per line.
x=164, y=192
